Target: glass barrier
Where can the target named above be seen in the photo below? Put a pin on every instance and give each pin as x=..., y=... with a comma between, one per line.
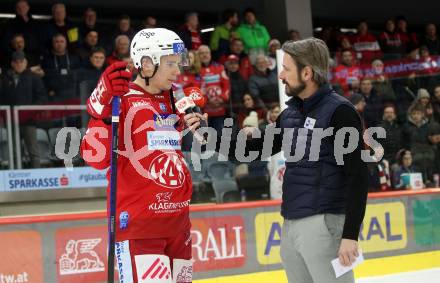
x=35, y=134
x=6, y=141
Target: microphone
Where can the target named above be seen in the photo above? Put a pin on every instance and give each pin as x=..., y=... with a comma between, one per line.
x=185, y=105
x=199, y=99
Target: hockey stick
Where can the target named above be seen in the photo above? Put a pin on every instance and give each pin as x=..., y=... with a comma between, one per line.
x=112, y=195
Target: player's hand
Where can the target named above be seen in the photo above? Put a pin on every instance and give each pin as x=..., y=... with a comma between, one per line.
x=348, y=251
x=192, y=120
x=113, y=82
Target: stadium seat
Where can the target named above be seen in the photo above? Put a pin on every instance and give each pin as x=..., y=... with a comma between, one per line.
x=225, y=191
x=44, y=147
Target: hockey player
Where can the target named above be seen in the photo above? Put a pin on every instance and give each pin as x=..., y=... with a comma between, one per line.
x=154, y=185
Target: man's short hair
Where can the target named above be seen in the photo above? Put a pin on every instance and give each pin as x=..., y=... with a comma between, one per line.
x=390, y=105
x=227, y=14
x=124, y=17
x=249, y=10
x=59, y=35
x=312, y=52
x=90, y=9
x=189, y=15
x=17, y=35
x=416, y=108
x=97, y=49
x=57, y=4
x=119, y=37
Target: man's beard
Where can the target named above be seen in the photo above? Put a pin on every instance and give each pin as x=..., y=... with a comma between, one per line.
x=294, y=91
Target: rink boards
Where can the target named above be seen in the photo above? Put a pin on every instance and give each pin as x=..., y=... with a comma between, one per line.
x=231, y=242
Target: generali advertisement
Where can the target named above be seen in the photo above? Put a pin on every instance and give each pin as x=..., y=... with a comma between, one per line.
x=218, y=243
x=81, y=252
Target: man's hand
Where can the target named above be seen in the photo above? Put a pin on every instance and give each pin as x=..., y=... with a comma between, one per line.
x=249, y=131
x=192, y=120
x=348, y=251
x=113, y=82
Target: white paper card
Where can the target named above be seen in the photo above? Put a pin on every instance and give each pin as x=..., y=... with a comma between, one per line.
x=341, y=270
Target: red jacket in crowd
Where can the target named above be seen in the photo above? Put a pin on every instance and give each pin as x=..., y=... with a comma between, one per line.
x=188, y=79
x=216, y=87
x=344, y=76
x=366, y=47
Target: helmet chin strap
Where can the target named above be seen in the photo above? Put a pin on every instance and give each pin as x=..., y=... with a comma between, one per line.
x=147, y=79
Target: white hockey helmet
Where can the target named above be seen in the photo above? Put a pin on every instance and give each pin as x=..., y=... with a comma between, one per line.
x=155, y=43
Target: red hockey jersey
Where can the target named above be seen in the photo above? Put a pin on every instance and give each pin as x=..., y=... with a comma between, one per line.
x=154, y=185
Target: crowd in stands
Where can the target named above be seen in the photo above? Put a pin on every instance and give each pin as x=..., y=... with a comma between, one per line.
x=392, y=77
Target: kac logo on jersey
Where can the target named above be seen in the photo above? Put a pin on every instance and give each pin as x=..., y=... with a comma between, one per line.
x=167, y=170
x=123, y=220
x=163, y=107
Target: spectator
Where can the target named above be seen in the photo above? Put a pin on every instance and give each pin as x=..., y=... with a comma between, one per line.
x=247, y=112
x=409, y=39
x=390, y=42
x=416, y=139
x=423, y=101
x=274, y=45
x=330, y=35
x=427, y=75
x=373, y=109
x=89, y=23
x=221, y=36
x=59, y=66
x=405, y=165
x=60, y=25
x=394, y=139
x=237, y=48
x=276, y=165
x=254, y=35
x=436, y=103
x=381, y=82
x=345, y=44
x=239, y=85
x=33, y=59
x=124, y=27
x=358, y=101
x=434, y=138
x=216, y=88
x=365, y=44
x=293, y=35
x=189, y=32
x=150, y=22
x=430, y=39
x=121, y=51
x=405, y=89
x=90, y=41
x=93, y=68
x=23, y=24
x=264, y=83
x=379, y=171
x=190, y=77
x=272, y=115
x=19, y=86
x=88, y=77
x=347, y=73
